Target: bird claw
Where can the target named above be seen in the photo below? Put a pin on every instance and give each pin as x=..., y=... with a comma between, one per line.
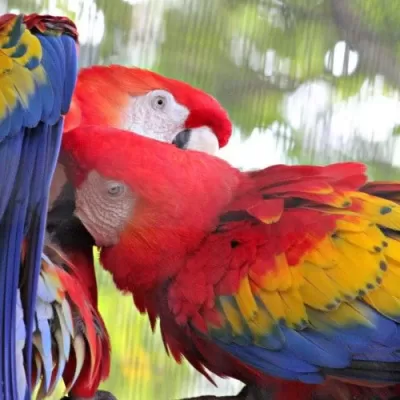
x=100, y=395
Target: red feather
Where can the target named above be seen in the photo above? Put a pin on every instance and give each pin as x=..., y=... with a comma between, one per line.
x=96, y=367
x=111, y=88
x=200, y=227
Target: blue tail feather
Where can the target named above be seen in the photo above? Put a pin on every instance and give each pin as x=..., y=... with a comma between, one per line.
x=40, y=186
x=10, y=153
x=11, y=237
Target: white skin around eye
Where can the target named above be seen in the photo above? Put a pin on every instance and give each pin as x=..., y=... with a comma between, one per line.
x=156, y=115
x=104, y=207
x=159, y=116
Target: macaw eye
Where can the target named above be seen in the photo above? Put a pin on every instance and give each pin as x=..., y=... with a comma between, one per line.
x=159, y=102
x=115, y=189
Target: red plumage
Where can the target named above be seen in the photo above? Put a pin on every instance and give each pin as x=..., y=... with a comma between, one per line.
x=51, y=24
x=97, y=362
x=90, y=105
x=121, y=83
x=200, y=228
x=68, y=280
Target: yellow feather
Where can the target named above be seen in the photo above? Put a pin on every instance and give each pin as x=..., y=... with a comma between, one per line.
x=20, y=81
x=278, y=278
x=34, y=48
x=297, y=276
x=380, y=211
x=357, y=261
x=232, y=315
x=294, y=308
x=6, y=63
x=8, y=92
x=364, y=240
x=392, y=249
x=286, y=276
x=273, y=303
x=32, y=45
x=352, y=224
x=318, y=291
x=346, y=314
x=261, y=324
x=364, y=267
x=391, y=283
x=17, y=83
x=245, y=300
x=345, y=280
x=383, y=302
x=393, y=267
x=4, y=108
x=325, y=254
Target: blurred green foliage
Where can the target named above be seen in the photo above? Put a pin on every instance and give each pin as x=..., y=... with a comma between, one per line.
x=251, y=55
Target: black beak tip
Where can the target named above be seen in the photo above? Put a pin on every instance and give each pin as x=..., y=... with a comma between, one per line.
x=181, y=140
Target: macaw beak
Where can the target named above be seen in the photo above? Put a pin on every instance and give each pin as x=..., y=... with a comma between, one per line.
x=182, y=139
x=201, y=138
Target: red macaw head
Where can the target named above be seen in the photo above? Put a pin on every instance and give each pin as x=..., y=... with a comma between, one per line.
x=135, y=195
x=151, y=105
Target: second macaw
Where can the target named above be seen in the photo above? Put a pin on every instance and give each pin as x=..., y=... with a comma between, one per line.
x=156, y=106
x=142, y=101
x=287, y=276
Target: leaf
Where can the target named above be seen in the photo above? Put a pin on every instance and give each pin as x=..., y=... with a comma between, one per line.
x=379, y=16
x=312, y=40
x=348, y=86
x=396, y=130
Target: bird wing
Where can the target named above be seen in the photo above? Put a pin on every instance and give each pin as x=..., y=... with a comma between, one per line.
x=38, y=68
x=301, y=278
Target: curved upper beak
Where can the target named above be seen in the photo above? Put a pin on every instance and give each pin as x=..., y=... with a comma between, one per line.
x=182, y=139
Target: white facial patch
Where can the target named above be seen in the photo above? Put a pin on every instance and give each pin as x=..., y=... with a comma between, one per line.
x=203, y=139
x=156, y=115
x=104, y=207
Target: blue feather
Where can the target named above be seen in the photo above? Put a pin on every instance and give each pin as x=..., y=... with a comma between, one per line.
x=35, y=236
x=279, y=364
x=71, y=71
x=55, y=78
x=11, y=237
x=30, y=138
x=307, y=354
x=10, y=153
x=314, y=348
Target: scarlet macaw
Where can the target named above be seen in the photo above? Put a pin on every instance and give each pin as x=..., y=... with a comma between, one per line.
x=286, y=274
x=141, y=101
x=38, y=72
x=155, y=106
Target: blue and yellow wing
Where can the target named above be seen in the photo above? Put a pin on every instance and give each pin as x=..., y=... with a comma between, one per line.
x=306, y=282
x=38, y=69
